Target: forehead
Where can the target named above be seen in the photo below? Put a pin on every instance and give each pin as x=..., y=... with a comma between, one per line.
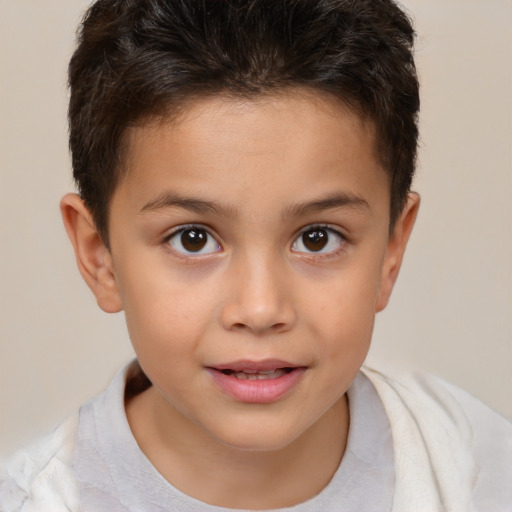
x=318, y=114
x=290, y=145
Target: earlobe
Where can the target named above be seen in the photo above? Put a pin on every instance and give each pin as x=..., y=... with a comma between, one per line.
x=396, y=249
x=92, y=256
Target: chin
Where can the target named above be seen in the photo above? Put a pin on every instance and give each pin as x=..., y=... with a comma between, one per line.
x=257, y=439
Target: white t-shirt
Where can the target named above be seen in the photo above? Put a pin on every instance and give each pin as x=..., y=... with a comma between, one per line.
x=114, y=475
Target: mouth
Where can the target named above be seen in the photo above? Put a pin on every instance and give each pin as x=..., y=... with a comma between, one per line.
x=258, y=375
x=257, y=382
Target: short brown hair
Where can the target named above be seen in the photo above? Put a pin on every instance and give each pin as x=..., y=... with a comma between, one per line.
x=137, y=59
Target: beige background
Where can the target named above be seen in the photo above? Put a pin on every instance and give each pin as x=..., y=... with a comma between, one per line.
x=451, y=311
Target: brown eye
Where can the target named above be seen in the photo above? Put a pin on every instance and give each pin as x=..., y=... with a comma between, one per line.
x=315, y=240
x=194, y=241
x=318, y=239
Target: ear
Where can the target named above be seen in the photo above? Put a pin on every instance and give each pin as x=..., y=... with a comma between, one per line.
x=396, y=248
x=92, y=256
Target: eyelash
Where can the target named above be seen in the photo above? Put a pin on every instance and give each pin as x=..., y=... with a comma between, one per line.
x=330, y=230
x=189, y=227
x=310, y=227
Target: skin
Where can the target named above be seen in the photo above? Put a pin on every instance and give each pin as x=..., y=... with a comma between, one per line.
x=257, y=292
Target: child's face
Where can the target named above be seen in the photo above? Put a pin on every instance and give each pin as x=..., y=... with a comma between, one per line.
x=252, y=236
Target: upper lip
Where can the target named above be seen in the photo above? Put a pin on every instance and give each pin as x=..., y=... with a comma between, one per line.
x=255, y=366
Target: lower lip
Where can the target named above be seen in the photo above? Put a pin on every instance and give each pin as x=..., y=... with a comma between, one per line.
x=262, y=391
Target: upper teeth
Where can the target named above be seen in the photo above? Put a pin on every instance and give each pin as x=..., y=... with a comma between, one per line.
x=259, y=375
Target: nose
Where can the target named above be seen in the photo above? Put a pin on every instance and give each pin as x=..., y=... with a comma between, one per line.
x=259, y=299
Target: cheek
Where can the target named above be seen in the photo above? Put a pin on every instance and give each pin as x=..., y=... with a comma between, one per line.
x=165, y=317
x=345, y=312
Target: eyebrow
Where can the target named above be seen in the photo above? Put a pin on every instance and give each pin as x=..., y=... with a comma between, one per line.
x=192, y=204
x=197, y=205
x=329, y=202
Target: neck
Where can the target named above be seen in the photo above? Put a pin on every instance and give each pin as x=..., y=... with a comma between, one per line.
x=204, y=468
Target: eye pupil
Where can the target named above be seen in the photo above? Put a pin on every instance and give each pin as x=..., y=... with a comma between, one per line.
x=315, y=239
x=194, y=240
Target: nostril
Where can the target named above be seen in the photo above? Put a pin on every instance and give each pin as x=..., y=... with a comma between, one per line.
x=257, y=316
x=239, y=325
x=274, y=327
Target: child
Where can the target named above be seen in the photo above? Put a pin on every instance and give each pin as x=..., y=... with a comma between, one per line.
x=244, y=171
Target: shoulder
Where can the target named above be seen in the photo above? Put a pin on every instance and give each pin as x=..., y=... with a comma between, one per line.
x=433, y=401
x=445, y=436
x=490, y=443
x=40, y=477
